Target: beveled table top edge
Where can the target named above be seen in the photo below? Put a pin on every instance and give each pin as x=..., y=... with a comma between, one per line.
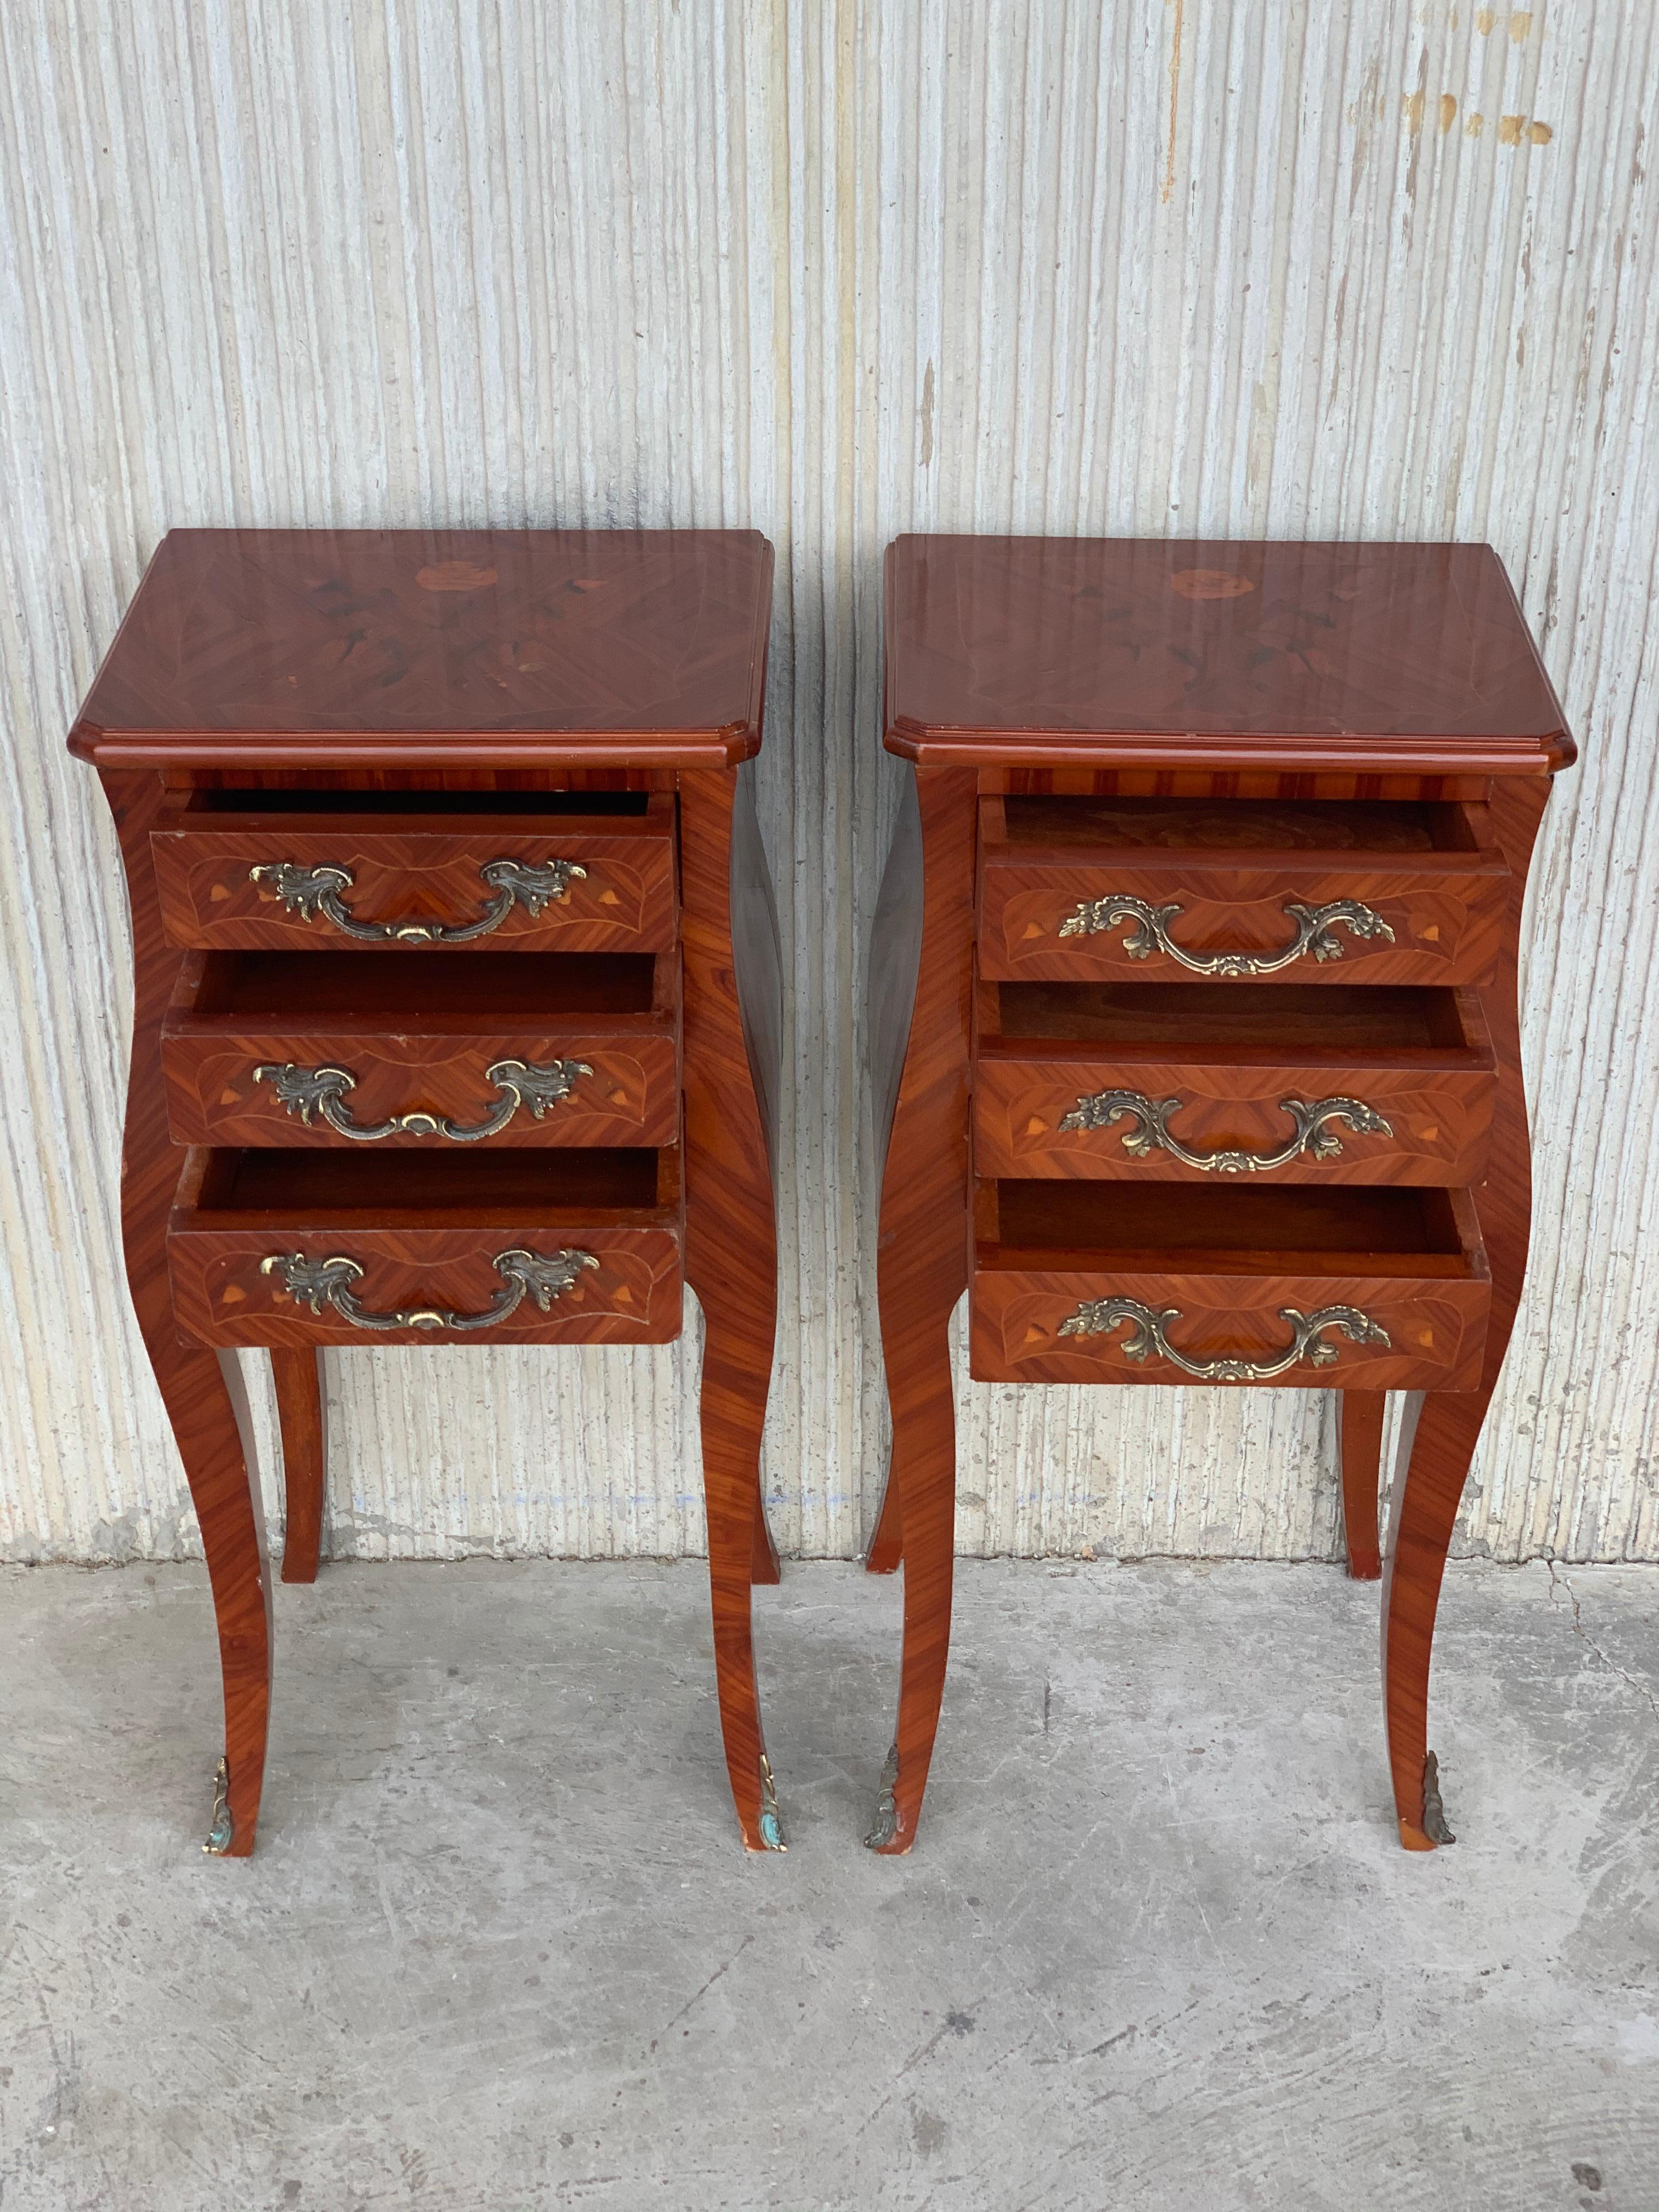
x=323, y=750
x=1337, y=752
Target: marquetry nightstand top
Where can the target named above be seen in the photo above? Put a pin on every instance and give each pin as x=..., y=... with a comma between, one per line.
x=1150, y=652
x=350, y=648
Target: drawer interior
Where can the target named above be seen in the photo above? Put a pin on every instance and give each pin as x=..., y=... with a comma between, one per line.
x=225, y=1189
x=1288, y=1231
x=1326, y=825
x=1202, y=1019
x=280, y=986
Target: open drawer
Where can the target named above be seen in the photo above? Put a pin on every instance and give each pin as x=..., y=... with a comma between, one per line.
x=1363, y=1289
x=473, y=1247
x=404, y=870
x=1182, y=891
x=1224, y=1080
x=275, y=1048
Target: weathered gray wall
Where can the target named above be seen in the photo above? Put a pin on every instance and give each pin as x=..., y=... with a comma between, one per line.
x=834, y=268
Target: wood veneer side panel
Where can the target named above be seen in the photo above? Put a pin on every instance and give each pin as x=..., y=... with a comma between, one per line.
x=201, y=1394
x=731, y=1259
x=1426, y=1499
x=922, y=1261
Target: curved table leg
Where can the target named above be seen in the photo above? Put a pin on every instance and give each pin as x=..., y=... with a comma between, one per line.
x=302, y=1414
x=921, y=1271
x=1360, y=1429
x=1449, y=1422
x=731, y=1255
x=202, y=1390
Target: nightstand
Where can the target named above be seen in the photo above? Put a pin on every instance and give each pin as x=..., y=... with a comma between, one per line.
x=457, y=1002
x=1195, y=1034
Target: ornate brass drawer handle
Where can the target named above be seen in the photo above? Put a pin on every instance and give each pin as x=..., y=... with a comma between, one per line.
x=1152, y=1132
x=1151, y=934
x=1100, y=1316
x=309, y=892
x=536, y=1084
x=317, y=1283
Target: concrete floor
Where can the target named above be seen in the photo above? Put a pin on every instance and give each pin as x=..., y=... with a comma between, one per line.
x=1156, y=1947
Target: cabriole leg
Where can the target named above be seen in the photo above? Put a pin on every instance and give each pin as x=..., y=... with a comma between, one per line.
x=202, y=1390
x=731, y=1253
x=921, y=1271
x=1434, y=1461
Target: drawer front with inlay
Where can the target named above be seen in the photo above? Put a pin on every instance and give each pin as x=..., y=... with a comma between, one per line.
x=1180, y=1123
x=1349, y=1288
x=308, y=883
x=1160, y=913
x=1233, y=1081
x=519, y=1086
x=1357, y=1331
x=557, y=1281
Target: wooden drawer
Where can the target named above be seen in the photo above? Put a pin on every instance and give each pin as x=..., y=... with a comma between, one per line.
x=1202, y=891
x=383, y=871
x=273, y=1048
x=292, y=1249
x=1363, y=1290
x=1230, y=1080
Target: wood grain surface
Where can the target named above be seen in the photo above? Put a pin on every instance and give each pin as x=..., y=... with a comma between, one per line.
x=469, y=648
x=1156, y=653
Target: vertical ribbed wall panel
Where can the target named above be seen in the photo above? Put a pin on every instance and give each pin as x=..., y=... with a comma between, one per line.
x=835, y=268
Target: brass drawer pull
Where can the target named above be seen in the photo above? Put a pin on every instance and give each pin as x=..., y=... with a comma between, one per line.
x=309, y=892
x=536, y=1084
x=318, y=1282
x=1151, y=934
x=1152, y=1132
x=1099, y=1316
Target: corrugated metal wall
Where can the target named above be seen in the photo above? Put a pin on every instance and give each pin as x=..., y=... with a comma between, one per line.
x=835, y=268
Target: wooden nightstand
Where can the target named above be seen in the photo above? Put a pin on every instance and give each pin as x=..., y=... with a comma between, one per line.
x=1194, y=1018
x=458, y=1001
